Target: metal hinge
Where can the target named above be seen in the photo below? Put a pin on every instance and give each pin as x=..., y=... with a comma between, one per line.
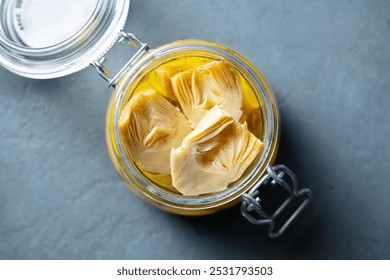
x=135, y=42
x=252, y=210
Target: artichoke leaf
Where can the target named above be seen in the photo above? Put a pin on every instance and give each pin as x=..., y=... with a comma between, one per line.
x=150, y=126
x=200, y=89
x=161, y=78
x=214, y=154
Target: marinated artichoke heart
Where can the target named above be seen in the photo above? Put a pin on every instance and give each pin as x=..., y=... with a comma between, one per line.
x=149, y=127
x=199, y=90
x=161, y=79
x=215, y=154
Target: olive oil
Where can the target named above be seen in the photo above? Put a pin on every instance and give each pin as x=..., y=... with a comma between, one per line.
x=159, y=79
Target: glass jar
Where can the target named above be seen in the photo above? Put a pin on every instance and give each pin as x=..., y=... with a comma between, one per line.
x=152, y=192
x=24, y=51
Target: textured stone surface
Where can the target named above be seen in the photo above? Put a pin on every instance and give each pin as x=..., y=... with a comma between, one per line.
x=329, y=65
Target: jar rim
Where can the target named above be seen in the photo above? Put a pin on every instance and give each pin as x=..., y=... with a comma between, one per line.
x=209, y=201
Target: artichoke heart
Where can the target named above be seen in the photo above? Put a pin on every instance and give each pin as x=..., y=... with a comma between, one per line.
x=149, y=127
x=162, y=75
x=213, y=83
x=214, y=154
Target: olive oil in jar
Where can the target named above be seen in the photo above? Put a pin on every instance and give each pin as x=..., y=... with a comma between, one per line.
x=160, y=80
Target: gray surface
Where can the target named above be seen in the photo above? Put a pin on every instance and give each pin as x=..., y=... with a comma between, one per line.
x=329, y=65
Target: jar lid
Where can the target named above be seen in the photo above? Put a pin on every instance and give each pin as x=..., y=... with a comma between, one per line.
x=52, y=38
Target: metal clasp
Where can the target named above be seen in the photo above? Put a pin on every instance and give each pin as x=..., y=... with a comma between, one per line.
x=252, y=210
x=135, y=42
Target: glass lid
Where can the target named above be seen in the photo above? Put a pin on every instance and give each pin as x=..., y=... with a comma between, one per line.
x=52, y=38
